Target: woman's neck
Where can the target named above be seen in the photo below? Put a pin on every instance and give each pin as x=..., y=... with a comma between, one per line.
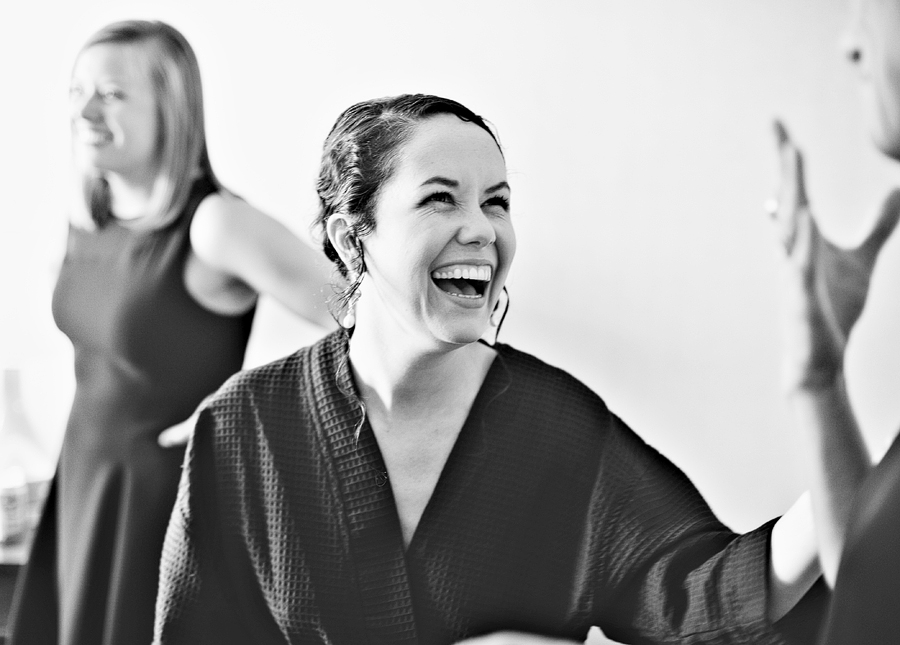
x=130, y=197
x=401, y=380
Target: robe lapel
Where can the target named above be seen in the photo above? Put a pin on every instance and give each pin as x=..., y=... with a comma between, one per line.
x=369, y=512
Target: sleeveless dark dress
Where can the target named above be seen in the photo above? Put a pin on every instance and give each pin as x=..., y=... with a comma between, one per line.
x=146, y=354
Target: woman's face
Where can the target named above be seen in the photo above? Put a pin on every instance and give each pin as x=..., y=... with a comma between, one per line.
x=443, y=240
x=872, y=43
x=115, y=123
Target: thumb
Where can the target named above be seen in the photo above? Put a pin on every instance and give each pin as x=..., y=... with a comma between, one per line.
x=845, y=273
x=884, y=226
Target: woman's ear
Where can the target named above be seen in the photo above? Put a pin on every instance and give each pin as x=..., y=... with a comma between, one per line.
x=342, y=236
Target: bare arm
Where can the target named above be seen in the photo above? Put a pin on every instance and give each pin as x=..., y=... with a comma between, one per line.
x=256, y=251
x=793, y=558
x=824, y=289
x=240, y=252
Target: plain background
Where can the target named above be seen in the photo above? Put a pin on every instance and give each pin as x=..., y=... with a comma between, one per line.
x=639, y=145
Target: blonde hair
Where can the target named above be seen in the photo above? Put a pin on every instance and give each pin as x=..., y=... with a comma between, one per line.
x=175, y=76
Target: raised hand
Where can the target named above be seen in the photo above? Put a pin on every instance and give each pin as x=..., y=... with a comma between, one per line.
x=827, y=285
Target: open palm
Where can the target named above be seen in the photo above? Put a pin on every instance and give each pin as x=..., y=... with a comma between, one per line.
x=827, y=284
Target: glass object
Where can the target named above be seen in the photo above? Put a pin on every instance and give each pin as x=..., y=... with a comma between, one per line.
x=25, y=468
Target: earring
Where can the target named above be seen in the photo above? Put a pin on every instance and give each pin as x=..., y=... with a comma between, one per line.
x=357, y=270
x=499, y=315
x=349, y=320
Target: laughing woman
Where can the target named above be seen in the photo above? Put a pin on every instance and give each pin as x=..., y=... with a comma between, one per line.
x=402, y=481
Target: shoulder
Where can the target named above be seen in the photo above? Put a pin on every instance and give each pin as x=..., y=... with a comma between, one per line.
x=261, y=416
x=556, y=410
x=551, y=384
x=269, y=388
x=252, y=416
x=548, y=400
x=221, y=221
x=265, y=385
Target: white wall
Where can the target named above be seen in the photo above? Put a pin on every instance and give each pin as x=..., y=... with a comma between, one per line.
x=638, y=140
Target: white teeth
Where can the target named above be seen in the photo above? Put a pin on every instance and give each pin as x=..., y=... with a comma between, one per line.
x=466, y=272
x=462, y=295
x=92, y=137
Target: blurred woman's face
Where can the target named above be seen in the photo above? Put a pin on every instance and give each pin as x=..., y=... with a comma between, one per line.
x=443, y=241
x=872, y=43
x=115, y=123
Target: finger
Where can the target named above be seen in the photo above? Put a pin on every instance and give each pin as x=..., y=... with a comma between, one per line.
x=164, y=439
x=781, y=133
x=884, y=226
x=803, y=240
x=791, y=164
x=793, y=184
x=772, y=206
x=785, y=147
x=788, y=203
x=174, y=436
x=845, y=274
x=793, y=203
x=799, y=179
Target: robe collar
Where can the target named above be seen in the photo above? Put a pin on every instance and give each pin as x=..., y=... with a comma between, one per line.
x=369, y=510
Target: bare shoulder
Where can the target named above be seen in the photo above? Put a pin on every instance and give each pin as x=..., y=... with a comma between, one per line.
x=242, y=243
x=221, y=216
x=224, y=225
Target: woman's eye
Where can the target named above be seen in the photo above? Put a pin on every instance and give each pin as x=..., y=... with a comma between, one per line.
x=439, y=197
x=111, y=95
x=498, y=201
x=75, y=92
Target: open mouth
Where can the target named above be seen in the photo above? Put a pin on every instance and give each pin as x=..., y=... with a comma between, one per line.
x=463, y=280
x=94, y=137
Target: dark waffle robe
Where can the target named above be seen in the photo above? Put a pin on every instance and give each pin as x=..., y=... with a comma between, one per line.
x=145, y=356
x=550, y=516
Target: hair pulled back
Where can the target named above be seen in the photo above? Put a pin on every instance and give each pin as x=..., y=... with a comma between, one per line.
x=359, y=156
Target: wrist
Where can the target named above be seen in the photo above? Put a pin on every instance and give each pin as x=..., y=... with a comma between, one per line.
x=815, y=382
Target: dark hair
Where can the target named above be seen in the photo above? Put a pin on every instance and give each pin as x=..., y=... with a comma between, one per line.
x=359, y=156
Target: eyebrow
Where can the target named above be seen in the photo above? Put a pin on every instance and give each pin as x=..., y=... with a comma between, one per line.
x=443, y=181
x=452, y=183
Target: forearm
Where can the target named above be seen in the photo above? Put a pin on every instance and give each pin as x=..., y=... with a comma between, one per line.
x=793, y=558
x=838, y=462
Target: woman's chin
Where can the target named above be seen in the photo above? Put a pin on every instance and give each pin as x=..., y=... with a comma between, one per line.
x=460, y=333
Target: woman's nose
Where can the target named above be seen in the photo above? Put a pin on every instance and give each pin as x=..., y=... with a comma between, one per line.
x=87, y=106
x=477, y=229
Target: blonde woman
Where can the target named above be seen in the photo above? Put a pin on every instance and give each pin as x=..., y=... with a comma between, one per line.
x=157, y=293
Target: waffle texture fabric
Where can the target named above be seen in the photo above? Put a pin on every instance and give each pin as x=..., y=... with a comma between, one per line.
x=550, y=516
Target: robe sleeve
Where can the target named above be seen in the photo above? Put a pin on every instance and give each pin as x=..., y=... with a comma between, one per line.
x=671, y=572
x=200, y=600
